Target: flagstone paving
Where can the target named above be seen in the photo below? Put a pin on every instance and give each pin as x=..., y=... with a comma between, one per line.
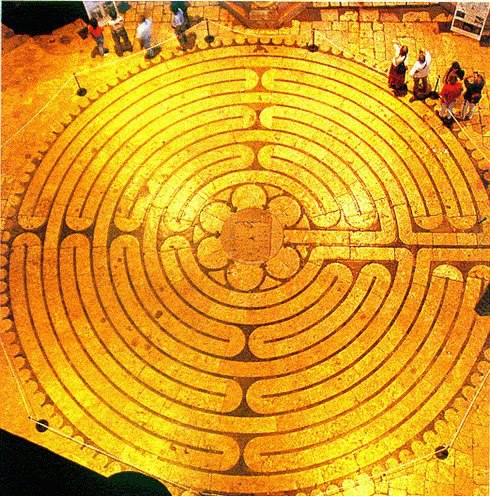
x=251, y=269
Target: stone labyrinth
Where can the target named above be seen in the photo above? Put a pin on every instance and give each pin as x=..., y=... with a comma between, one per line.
x=250, y=269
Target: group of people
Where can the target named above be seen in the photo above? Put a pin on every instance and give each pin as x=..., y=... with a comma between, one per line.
x=419, y=72
x=453, y=81
x=118, y=31
x=180, y=23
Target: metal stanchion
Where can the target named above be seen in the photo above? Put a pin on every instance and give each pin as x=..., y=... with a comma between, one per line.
x=312, y=47
x=442, y=452
x=81, y=91
x=208, y=38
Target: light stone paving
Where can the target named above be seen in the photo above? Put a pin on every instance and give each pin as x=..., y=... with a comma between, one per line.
x=251, y=269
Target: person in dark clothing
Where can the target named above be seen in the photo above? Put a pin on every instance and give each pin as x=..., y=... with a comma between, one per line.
x=396, y=77
x=474, y=87
x=179, y=24
x=183, y=7
x=455, y=70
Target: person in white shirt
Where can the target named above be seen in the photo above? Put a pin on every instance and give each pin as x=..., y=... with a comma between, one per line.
x=143, y=33
x=420, y=72
x=179, y=24
x=119, y=34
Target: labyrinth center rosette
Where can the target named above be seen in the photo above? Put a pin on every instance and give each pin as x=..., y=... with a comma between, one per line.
x=244, y=268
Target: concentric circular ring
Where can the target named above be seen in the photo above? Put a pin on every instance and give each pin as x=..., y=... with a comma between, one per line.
x=249, y=269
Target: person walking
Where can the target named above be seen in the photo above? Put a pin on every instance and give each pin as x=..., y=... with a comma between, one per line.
x=97, y=33
x=420, y=72
x=449, y=94
x=143, y=33
x=474, y=87
x=179, y=24
x=396, y=77
x=119, y=34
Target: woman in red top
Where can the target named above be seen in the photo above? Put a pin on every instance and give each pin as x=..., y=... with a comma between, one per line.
x=97, y=33
x=449, y=94
x=396, y=77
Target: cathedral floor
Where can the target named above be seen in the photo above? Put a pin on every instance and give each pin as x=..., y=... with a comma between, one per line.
x=249, y=268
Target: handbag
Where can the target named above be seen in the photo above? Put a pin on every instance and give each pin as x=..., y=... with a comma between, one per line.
x=401, y=68
x=83, y=33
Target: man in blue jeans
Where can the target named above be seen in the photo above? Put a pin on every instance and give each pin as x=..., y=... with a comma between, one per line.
x=143, y=33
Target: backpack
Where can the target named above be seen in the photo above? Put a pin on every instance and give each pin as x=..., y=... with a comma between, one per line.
x=401, y=68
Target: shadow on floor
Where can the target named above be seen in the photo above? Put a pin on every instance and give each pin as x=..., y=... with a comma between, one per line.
x=28, y=469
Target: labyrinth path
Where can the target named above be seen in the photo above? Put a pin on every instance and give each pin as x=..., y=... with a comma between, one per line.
x=250, y=269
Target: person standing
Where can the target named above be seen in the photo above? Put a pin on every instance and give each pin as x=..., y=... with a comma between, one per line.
x=97, y=33
x=396, y=77
x=449, y=94
x=183, y=7
x=119, y=34
x=474, y=87
x=143, y=33
x=454, y=69
x=179, y=24
x=420, y=73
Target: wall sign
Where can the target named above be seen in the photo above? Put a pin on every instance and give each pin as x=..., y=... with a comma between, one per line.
x=469, y=18
x=99, y=10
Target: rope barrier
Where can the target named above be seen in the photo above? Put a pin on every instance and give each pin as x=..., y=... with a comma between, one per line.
x=468, y=136
x=249, y=34
x=386, y=473
x=36, y=114
x=138, y=53
x=25, y=402
x=86, y=71
x=103, y=452
x=360, y=61
x=418, y=460
x=23, y=396
x=465, y=416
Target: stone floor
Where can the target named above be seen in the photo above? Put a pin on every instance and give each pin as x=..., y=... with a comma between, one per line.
x=248, y=268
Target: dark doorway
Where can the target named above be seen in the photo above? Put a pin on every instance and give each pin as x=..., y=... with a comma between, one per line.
x=35, y=18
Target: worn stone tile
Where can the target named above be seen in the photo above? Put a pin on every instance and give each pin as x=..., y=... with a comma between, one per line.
x=255, y=257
